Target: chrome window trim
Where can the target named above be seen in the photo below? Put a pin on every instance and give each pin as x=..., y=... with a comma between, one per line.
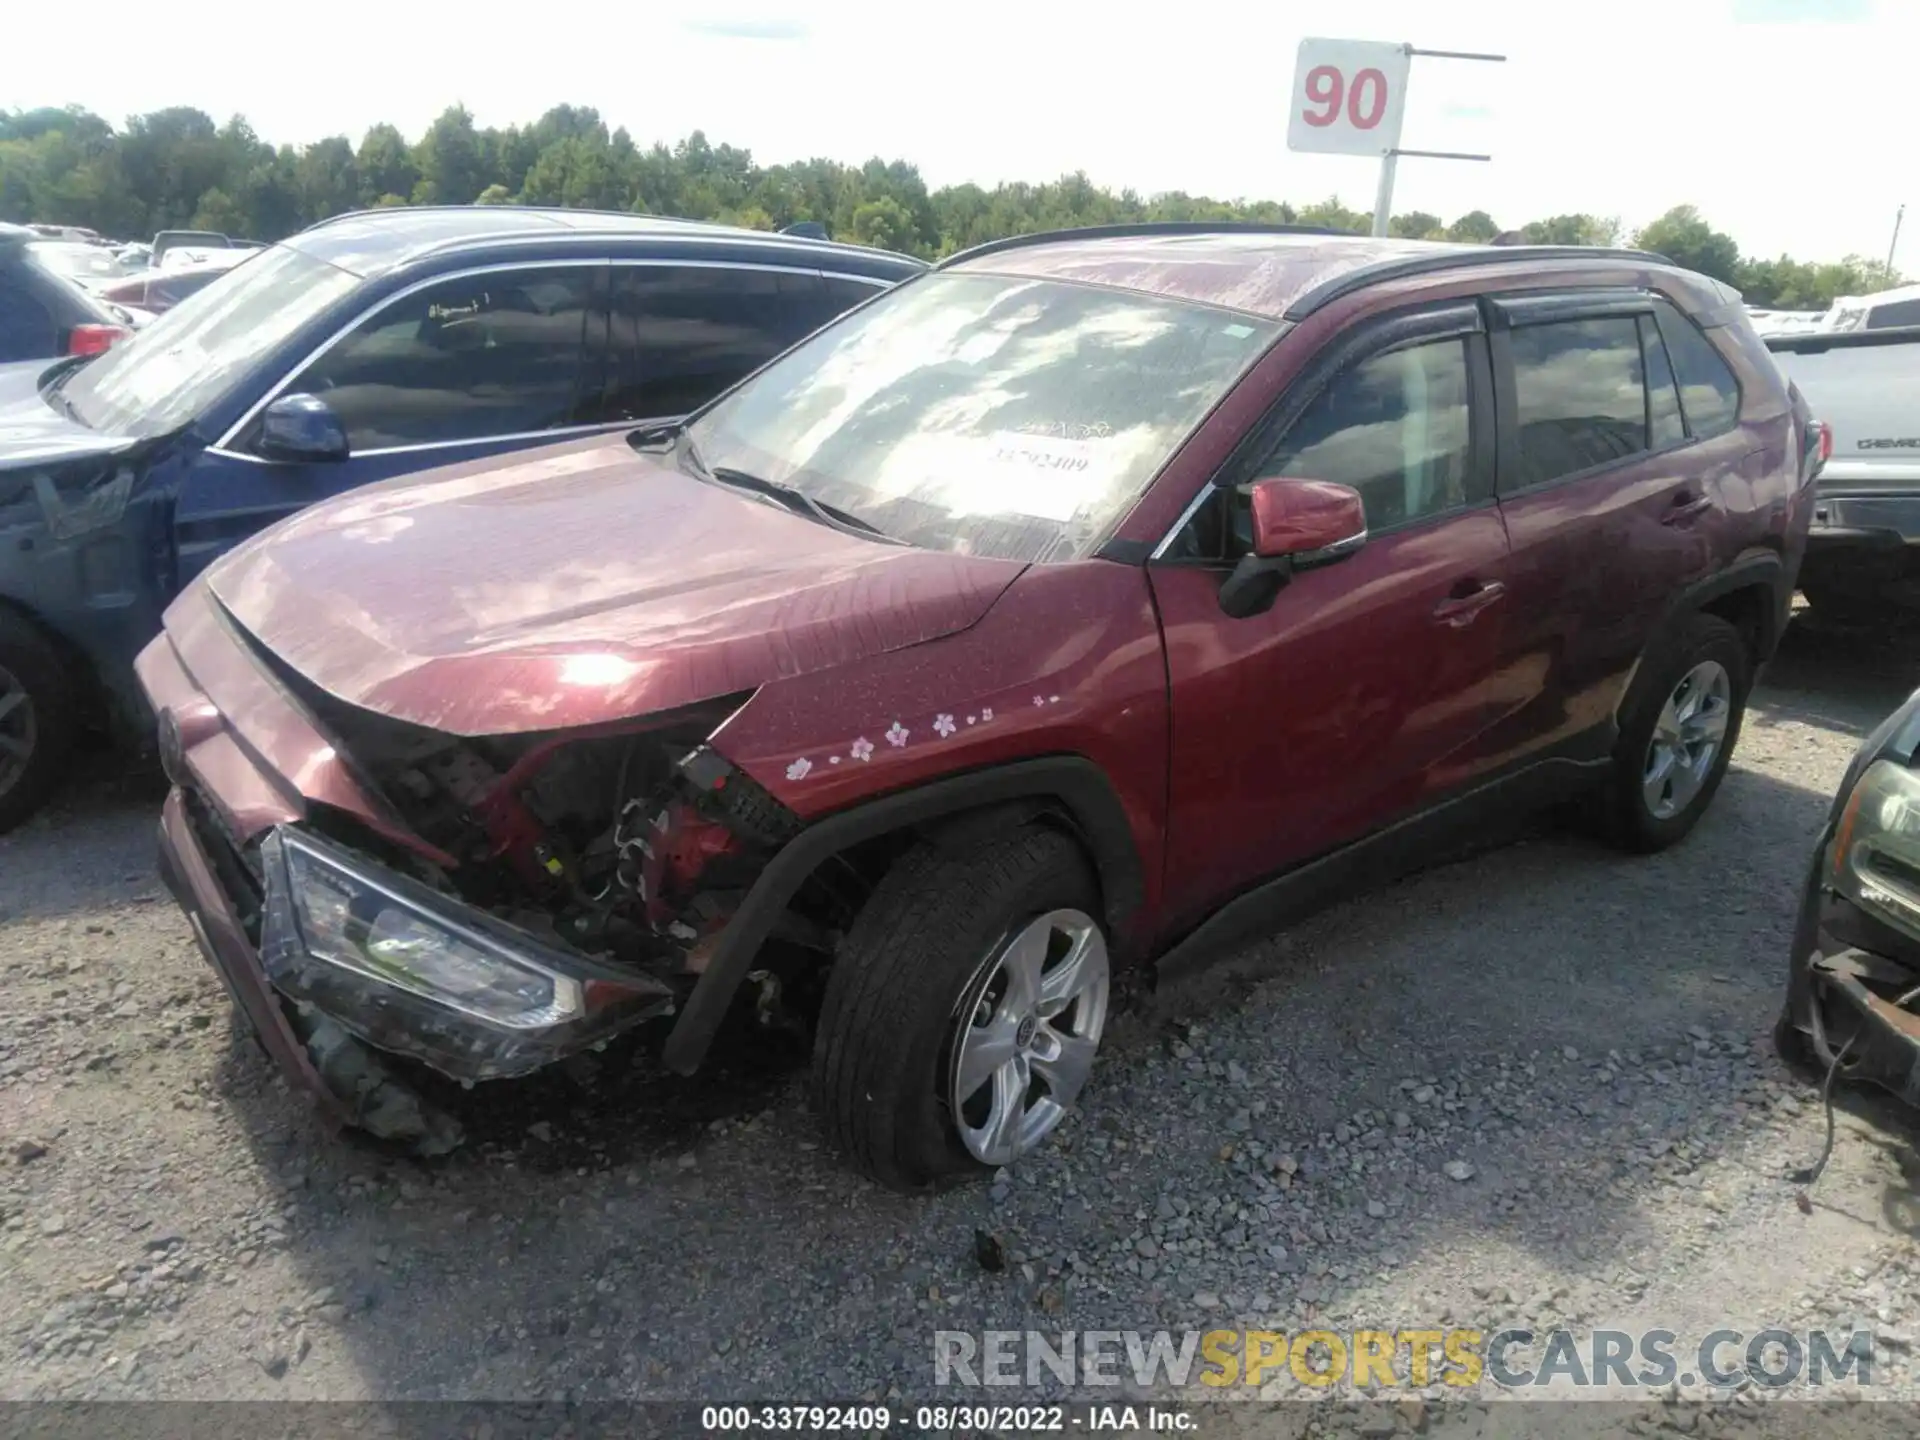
x=225, y=444
x=563, y=433
x=1206, y=493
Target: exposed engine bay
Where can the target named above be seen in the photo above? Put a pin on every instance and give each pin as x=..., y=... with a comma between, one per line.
x=632, y=844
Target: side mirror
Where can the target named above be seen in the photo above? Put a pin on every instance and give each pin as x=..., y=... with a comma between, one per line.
x=1297, y=524
x=302, y=428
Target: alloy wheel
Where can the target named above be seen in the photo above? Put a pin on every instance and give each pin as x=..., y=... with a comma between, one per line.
x=17, y=729
x=1687, y=739
x=1026, y=1034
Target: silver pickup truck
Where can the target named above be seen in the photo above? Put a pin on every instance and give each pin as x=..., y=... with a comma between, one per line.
x=1863, y=552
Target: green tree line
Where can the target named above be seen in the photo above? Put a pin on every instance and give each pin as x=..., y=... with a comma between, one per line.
x=176, y=167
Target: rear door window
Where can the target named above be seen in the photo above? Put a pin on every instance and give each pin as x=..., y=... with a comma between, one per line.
x=678, y=335
x=1709, y=393
x=469, y=358
x=1580, y=399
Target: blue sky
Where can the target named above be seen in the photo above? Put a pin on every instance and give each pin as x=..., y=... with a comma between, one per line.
x=1786, y=121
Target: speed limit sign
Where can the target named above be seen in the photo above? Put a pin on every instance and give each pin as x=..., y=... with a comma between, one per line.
x=1348, y=97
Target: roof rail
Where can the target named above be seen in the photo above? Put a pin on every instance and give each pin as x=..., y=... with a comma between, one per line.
x=1462, y=257
x=523, y=209
x=1147, y=227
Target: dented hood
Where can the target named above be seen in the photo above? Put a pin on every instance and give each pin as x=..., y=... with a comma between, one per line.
x=34, y=433
x=582, y=584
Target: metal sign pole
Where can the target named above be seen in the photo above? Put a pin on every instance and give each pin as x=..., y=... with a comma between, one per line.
x=1383, y=195
x=1390, y=162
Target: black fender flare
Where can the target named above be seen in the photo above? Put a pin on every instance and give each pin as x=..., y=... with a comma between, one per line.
x=1068, y=784
x=1752, y=569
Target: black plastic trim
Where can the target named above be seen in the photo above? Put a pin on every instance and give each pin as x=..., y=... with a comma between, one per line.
x=1074, y=781
x=1545, y=307
x=1397, y=849
x=1143, y=229
x=1752, y=570
x=1410, y=266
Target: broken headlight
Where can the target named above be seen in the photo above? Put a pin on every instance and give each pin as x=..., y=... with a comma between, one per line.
x=1875, y=857
x=350, y=917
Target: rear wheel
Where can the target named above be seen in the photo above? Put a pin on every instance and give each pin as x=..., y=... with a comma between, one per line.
x=1677, y=734
x=36, y=720
x=964, y=1012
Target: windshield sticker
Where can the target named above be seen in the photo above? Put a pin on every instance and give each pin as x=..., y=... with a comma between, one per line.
x=1238, y=332
x=1045, y=452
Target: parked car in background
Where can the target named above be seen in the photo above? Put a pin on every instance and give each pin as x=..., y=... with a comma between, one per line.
x=1097, y=598
x=159, y=290
x=67, y=232
x=1887, y=310
x=87, y=265
x=1863, y=553
x=43, y=313
x=167, y=241
x=370, y=346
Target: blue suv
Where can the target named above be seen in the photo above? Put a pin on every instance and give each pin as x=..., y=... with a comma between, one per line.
x=366, y=347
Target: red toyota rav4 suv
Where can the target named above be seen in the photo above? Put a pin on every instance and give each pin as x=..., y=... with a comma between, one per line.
x=1094, y=596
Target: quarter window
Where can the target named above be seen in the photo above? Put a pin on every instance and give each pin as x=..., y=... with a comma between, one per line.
x=678, y=335
x=471, y=357
x=1579, y=396
x=1709, y=393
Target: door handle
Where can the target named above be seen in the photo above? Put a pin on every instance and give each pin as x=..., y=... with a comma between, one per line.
x=1458, y=611
x=1685, y=506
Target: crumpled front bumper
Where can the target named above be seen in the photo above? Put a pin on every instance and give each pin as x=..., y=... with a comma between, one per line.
x=187, y=867
x=291, y=993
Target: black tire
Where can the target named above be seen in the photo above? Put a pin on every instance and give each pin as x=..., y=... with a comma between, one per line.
x=29, y=663
x=885, y=1034
x=1630, y=821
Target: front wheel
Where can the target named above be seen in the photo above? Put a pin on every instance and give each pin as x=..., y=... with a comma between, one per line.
x=1677, y=734
x=965, y=1010
x=36, y=720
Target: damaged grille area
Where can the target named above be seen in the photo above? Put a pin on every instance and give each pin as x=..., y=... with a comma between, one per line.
x=235, y=866
x=630, y=842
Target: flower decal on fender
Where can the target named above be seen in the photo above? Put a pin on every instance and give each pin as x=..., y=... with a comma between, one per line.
x=945, y=725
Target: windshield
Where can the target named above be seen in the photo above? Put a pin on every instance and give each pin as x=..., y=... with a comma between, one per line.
x=983, y=414
x=89, y=264
x=171, y=370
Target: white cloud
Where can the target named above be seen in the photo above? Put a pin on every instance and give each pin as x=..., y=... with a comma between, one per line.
x=1790, y=137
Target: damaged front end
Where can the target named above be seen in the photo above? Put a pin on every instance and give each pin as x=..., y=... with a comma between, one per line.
x=497, y=905
x=1853, y=1004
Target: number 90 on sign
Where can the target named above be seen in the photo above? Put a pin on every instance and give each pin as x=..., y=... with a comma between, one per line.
x=1348, y=97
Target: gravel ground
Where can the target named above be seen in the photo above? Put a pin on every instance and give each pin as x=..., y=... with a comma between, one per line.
x=1533, y=1085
